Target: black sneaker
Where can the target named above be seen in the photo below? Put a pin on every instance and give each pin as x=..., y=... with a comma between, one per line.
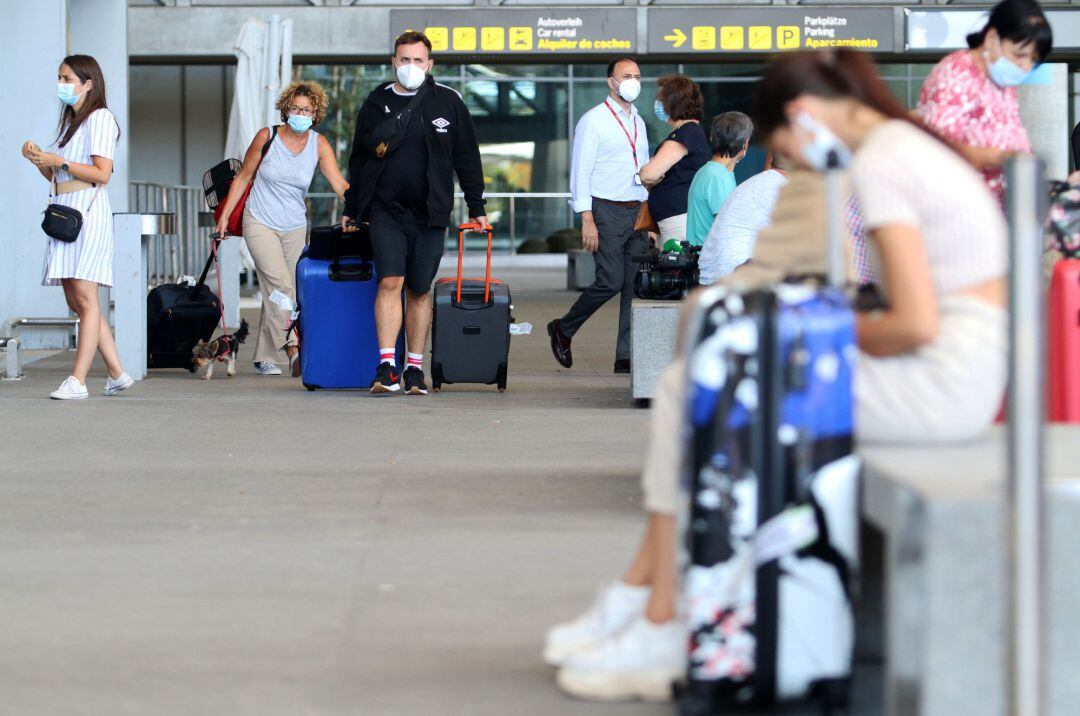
x=387, y=380
x=414, y=381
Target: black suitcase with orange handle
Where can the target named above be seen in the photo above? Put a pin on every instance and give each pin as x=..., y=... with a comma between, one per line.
x=470, y=333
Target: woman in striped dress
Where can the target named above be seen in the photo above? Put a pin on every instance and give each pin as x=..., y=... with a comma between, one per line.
x=78, y=170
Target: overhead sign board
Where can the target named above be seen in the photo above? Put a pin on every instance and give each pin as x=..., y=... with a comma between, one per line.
x=543, y=31
x=768, y=30
x=947, y=29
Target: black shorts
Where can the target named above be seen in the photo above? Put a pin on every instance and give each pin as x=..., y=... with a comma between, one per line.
x=403, y=249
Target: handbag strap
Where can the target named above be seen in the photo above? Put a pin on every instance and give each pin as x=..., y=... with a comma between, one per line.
x=265, y=148
x=390, y=133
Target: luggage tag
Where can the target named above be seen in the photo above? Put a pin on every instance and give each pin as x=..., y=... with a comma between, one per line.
x=285, y=303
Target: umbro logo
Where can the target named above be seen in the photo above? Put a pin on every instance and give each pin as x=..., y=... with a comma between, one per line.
x=440, y=125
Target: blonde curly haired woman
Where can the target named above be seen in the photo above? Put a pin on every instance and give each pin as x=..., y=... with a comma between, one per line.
x=282, y=160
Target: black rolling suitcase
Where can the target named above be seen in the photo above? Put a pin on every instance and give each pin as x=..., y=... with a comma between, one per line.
x=470, y=333
x=177, y=317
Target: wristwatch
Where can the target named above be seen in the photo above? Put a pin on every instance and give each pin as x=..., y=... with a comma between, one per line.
x=65, y=167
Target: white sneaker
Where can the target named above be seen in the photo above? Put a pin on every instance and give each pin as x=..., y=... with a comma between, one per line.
x=70, y=389
x=615, y=606
x=265, y=367
x=640, y=662
x=112, y=387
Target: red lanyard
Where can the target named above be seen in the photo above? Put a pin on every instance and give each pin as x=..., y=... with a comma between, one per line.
x=633, y=141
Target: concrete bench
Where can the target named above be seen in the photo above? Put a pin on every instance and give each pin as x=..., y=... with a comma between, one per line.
x=654, y=326
x=580, y=269
x=940, y=512
x=70, y=323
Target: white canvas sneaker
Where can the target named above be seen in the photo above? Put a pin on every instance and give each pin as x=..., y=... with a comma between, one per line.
x=70, y=389
x=112, y=387
x=265, y=367
x=640, y=662
x=615, y=606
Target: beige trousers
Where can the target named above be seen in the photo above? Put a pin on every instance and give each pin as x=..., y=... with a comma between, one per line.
x=275, y=254
x=663, y=456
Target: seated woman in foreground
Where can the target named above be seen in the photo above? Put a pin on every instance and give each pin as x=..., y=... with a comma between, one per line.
x=932, y=365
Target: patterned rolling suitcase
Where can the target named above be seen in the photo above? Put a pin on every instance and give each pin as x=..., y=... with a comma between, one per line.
x=772, y=526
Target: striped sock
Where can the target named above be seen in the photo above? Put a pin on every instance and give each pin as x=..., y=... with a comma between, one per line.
x=388, y=355
x=415, y=360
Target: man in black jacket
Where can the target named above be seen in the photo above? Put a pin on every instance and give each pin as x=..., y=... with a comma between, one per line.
x=411, y=136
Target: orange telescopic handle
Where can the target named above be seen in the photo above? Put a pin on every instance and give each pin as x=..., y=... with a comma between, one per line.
x=461, y=256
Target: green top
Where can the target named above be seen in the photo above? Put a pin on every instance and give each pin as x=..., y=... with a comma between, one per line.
x=710, y=188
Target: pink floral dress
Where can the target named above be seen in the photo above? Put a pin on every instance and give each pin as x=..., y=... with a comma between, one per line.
x=961, y=103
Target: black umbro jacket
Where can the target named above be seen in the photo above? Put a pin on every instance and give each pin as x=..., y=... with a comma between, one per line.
x=451, y=145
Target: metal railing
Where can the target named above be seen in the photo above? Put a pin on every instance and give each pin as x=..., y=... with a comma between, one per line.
x=185, y=253
x=517, y=217
x=514, y=223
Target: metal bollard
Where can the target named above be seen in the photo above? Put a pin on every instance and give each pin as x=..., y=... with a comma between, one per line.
x=1026, y=204
x=11, y=359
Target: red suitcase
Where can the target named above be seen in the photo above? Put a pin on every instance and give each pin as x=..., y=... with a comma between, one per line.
x=1063, y=231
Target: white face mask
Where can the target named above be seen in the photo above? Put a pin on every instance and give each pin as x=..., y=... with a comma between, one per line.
x=410, y=76
x=825, y=150
x=629, y=89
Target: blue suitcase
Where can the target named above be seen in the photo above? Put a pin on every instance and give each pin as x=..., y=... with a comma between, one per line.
x=339, y=348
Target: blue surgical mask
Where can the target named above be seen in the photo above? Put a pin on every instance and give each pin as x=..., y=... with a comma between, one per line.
x=66, y=93
x=661, y=114
x=1003, y=71
x=299, y=123
x=825, y=150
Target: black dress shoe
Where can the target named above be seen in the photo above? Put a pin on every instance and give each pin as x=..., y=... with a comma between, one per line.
x=560, y=345
x=622, y=365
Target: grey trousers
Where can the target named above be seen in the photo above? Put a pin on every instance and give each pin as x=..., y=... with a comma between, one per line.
x=615, y=272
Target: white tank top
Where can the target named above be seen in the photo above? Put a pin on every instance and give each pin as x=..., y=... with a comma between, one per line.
x=277, y=197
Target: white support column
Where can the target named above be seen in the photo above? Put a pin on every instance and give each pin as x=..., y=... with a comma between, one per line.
x=34, y=41
x=99, y=28
x=129, y=292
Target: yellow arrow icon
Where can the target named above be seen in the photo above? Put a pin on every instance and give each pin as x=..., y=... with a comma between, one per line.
x=677, y=38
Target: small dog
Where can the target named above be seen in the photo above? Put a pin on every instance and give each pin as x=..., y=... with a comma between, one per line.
x=222, y=349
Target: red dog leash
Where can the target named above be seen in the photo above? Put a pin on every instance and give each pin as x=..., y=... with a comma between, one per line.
x=217, y=239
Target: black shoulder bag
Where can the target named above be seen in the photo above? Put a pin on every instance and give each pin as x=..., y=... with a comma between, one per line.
x=64, y=223
x=389, y=134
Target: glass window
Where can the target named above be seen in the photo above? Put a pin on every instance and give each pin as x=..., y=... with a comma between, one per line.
x=491, y=71
x=723, y=70
x=599, y=69
x=522, y=130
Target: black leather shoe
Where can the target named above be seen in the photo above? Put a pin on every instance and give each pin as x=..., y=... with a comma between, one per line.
x=560, y=345
x=622, y=365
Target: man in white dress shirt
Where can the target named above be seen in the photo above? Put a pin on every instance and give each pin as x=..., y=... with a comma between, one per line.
x=610, y=146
